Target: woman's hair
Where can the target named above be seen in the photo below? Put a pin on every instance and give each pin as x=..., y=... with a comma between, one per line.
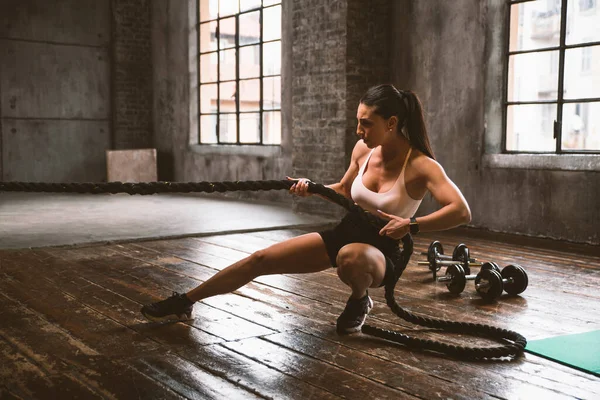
x=406, y=106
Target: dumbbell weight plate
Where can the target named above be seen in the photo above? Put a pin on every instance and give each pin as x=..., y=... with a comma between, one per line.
x=434, y=249
x=490, y=266
x=459, y=250
x=493, y=289
x=458, y=282
x=520, y=279
x=461, y=253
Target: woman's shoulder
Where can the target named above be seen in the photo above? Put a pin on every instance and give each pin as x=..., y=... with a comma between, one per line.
x=424, y=164
x=360, y=151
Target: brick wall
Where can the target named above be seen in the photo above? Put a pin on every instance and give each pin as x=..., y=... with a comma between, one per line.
x=339, y=49
x=131, y=74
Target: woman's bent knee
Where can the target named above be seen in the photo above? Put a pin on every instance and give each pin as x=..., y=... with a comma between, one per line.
x=354, y=261
x=350, y=261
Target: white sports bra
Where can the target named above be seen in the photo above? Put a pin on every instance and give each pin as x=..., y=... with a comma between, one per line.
x=395, y=201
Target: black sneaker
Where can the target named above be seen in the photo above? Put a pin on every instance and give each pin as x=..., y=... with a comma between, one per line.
x=178, y=306
x=354, y=315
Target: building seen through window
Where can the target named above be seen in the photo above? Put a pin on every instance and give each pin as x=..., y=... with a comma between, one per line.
x=553, y=81
x=239, y=71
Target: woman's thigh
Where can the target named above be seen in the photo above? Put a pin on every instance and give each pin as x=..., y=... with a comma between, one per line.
x=363, y=258
x=302, y=254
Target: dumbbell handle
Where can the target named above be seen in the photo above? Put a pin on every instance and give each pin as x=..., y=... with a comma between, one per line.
x=447, y=257
x=486, y=284
x=448, y=263
x=447, y=278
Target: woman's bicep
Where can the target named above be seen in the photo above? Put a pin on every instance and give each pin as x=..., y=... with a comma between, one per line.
x=441, y=186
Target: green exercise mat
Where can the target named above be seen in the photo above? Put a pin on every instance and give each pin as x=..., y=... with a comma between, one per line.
x=581, y=351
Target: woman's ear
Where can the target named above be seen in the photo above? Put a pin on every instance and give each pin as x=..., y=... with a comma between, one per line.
x=392, y=122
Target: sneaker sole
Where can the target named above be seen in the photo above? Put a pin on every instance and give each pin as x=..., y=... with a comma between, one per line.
x=358, y=327
x=170, y=317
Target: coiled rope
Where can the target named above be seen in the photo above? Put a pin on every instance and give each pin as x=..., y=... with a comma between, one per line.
x=514, y=343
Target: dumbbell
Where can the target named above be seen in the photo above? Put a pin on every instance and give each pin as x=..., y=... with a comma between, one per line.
x=456, y=279
x=460, y=256
x=490, y=283
x=436, y=250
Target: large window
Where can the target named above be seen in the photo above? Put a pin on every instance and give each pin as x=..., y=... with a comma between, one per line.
x=239, y=71
x=552, y=102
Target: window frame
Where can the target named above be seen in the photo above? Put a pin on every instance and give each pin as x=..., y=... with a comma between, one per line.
x=261, y=77
x=560, y=101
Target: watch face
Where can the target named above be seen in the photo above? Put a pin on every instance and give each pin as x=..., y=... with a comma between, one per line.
x=414, y=228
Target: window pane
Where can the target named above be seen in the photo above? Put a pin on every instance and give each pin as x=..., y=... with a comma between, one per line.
x=250, y=128
x=533, y=76
x=534, y=25
x=272, y=93
x=582, y=72
x=208, y=129
x=246, y=5
x=227, y=64
x=228, y=7
x=208, y=9
x=530, y=127
x=208, y=39
x=272, y=127
x=272, y=23
x=208, y=67
x=581, y=126
x=227, y=97
x=270, y=2
x=249, y=28
x=227, y=33
x=272, y=58
x=250, y=95
x=250, y=61
x=208, y=98
x=583, y=23
x=227, y=128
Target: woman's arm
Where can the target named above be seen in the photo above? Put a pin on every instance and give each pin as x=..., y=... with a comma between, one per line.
x=454, y=209
x=343, y=186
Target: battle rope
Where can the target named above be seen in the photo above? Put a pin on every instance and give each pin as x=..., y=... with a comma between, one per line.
x=516, y=342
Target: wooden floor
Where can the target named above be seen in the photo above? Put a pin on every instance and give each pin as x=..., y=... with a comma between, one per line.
x=70, y=326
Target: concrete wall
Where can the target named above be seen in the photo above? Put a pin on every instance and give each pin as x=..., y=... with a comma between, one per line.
x=448, y=52
x=54, y=89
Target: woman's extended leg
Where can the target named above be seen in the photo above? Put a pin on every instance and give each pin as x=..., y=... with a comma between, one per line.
x=302, y=254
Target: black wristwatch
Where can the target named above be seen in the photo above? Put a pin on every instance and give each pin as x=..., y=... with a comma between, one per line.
x=414, y=226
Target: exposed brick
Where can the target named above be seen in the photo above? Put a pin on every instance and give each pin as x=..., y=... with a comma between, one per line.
x=131, y=74
x=339, y=49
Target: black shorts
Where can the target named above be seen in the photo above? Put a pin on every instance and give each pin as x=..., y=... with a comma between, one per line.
x=353, y=230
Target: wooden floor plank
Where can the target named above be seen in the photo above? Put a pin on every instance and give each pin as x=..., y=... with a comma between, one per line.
x=336, y=380
x=254, y=376
x=188, y=380
x=65, y=361
x=406, y=379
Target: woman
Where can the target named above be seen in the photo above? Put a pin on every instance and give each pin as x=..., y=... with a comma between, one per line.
x=391, y=170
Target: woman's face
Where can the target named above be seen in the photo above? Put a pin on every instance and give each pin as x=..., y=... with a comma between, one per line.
x=372, y=128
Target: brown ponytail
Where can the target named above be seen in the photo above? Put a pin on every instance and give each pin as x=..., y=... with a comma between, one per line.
x=415, y=125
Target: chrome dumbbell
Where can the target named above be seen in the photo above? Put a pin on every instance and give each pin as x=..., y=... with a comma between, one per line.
x=456, y=278
x=512, y=279
x=436, y=258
